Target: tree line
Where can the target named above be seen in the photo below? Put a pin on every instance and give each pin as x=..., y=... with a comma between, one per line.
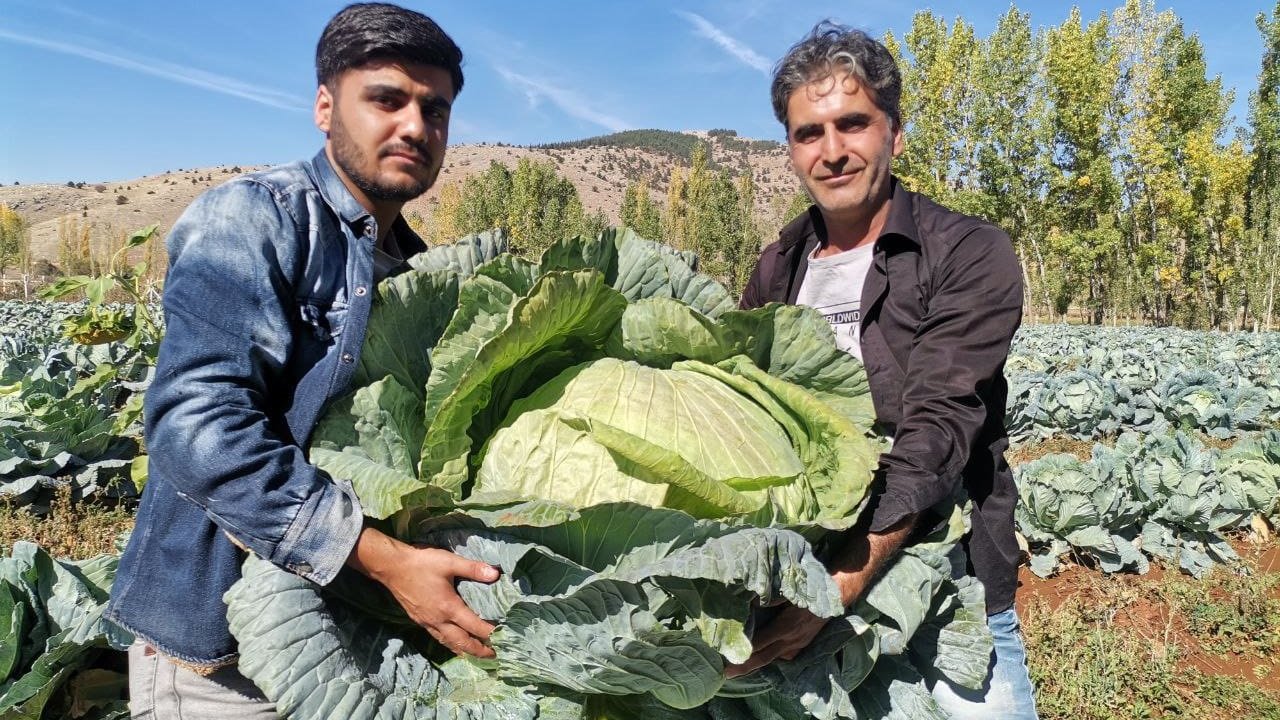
x=1102, y=147
x=1107, y=152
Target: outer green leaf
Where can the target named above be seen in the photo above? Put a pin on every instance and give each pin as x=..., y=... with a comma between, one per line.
x=409, y=314
x=381, y=489
x=389, y=424
x=717, y=612
x=12, y=615
x=463, y=256
x=324, y=660
x=659, y=331
x=895, y=691
x=956, y=643
x=603, y=638
x=26, y=698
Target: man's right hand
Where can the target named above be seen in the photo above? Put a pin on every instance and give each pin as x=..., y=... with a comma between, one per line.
x=422, y=581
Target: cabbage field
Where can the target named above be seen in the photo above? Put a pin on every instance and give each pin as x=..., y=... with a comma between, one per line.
x=1175, y=438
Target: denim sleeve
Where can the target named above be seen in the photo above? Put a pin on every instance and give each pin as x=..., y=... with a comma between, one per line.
x=958, y=351
x=223, y=367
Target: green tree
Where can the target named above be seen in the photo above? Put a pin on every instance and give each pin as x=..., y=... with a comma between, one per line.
x=1261, y=255
x=542, y=208
x=1081, y=74
x=444, y=225
x=938, y=110
x=14, y=240
x=484, y=201
x=1013, y=160
x=674, y=216
x=639, y=212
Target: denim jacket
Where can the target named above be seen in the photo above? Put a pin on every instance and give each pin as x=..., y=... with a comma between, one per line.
x=266, y=301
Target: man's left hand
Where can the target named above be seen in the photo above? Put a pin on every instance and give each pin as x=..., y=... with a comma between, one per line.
x=790, y=632
x=794, y=628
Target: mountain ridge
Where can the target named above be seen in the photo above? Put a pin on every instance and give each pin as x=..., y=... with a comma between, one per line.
x=599, y=167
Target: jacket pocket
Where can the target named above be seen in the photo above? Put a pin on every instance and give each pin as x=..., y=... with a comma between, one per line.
x=324, y=321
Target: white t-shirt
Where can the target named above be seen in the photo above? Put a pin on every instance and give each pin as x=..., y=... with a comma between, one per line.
x=833, y=286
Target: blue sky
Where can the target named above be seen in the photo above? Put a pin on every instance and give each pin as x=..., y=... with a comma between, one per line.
x=114, y=90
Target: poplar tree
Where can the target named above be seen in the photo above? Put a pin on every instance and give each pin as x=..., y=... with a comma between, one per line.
x=1081, y=69
x=1262, y=254
x=1013, y=141
x=13, y=240
x=639, y=211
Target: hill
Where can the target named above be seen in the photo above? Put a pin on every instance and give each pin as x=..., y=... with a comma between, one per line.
x=600, y=168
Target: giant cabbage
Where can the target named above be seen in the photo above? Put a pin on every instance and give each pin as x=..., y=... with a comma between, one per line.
x=652, y=471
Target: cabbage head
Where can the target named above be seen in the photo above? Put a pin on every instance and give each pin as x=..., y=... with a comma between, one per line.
x=1065, y=505
x=651, y=469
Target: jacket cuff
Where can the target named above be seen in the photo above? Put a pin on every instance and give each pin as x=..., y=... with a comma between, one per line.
x=889, y=511
x=322, y=534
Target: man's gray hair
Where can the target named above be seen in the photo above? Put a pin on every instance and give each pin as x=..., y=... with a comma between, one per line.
x=831, y=49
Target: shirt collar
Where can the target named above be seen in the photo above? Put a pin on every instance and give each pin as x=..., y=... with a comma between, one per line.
x=901, y=221
x=336, y=194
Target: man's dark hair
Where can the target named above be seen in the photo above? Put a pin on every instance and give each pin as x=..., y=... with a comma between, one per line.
x=366, y=32
x=831, y=48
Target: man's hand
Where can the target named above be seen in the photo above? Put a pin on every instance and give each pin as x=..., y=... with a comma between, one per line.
x=790, y=632
x=794, y=628
x=422, y=581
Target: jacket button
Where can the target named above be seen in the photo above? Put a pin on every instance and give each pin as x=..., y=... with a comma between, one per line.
x=348, y=358
x=302, y=568
x=360, y=291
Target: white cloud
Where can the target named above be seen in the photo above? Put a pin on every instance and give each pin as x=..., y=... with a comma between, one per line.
x=171, y=71
x=736, y=48
x=535, y=90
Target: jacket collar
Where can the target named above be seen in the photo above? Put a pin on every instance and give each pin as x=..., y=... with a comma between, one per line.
x=338, y=197
x=335, y=192
x=901, y=220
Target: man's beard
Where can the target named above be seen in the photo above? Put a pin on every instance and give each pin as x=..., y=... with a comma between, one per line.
x=350, y=158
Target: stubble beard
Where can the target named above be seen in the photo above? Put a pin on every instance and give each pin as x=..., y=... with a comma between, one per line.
x=350, y=158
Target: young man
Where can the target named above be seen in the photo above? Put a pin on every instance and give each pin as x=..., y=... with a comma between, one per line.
x=270, y=283
x=929, y=299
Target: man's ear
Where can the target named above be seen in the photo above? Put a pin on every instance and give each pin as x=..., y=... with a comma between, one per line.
x=324, y=108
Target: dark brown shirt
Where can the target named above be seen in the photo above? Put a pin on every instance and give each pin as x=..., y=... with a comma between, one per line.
x=940, y=305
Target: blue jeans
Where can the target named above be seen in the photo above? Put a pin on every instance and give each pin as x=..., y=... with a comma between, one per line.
x=1008, y=694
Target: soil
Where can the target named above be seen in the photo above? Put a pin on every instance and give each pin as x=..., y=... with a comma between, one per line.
x=1143, y=605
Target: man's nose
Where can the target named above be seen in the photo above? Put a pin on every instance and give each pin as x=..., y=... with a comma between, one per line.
x=413, y=126
x=833, y=152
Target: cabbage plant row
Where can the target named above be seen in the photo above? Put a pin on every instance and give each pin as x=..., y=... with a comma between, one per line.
x=1164, y=496
x=70, y=414
x=1096, y=382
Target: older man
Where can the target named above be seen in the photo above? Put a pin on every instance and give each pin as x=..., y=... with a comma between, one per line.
x=929, y=299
